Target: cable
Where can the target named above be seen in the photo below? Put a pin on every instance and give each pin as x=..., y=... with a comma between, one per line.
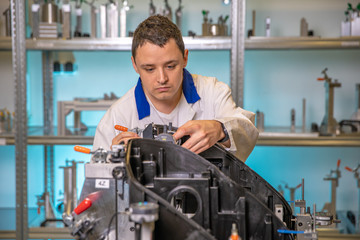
x=111, y=220
x=285, y=231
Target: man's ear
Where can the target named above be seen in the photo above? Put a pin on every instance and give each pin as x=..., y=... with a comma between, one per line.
x=186, y=55
x=134, y=64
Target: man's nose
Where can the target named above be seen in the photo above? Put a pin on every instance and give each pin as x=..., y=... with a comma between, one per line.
x=163, y=78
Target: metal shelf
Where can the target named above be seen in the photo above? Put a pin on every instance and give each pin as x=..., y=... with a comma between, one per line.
x=40, y=233
x=263, y=43
x=338, y=141
x=5, y=43
x=192, y=43
x=121, y=44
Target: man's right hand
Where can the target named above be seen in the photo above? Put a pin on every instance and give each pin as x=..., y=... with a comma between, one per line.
x=123, y=138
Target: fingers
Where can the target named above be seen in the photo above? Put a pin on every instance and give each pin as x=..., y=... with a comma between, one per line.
x=203, y=134
x=124, y=137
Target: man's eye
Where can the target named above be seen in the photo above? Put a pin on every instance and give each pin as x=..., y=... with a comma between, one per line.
x=149, y=69
x=171, y=66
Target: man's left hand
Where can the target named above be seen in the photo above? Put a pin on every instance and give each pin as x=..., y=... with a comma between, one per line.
x=203, y=134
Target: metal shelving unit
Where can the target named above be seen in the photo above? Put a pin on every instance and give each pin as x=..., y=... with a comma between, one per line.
x=236, y=44
x=261, y=43
x=265, y=139
x=192, y=43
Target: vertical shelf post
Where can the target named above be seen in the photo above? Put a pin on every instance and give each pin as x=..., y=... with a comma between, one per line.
x=48, y=89
x=19, y=72
x=237, y=50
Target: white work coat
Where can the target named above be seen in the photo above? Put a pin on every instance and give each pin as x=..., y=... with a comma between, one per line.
x=213, y=101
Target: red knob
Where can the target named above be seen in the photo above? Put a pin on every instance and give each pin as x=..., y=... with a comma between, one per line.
x=349, y=169
x=338, y=162
x=121, y=128
x=84, y=205
x=320, y=79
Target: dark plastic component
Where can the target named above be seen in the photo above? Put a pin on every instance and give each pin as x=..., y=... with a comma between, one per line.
x=352, y=123
x=240, y=196
x=57, y=67
x=77, y=34
x=69, y=67
x=199, y=196
x=314, y=127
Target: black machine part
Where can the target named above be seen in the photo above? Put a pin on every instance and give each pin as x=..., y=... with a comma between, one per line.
x=198, y=196
x=176, y=178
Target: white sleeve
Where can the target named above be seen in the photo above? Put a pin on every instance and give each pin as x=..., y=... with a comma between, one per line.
x=238, y=122
x=105, y=132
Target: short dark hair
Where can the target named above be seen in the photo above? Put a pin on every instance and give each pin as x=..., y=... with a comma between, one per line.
x=157, y=30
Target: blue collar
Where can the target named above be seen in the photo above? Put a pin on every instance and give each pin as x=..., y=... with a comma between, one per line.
x=188, y=87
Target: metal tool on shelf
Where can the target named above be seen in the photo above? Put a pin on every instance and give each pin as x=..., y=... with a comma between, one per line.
x=167, y=11
x=70, y=189
x=260, y=121
x=292, y=120
x=305, y=222
x=329, y=125
x=304, y=28
x=77, y=106
x=333, y=177
x=94, y=13
x=123, y=10
x=206, y=23
x=6, y=121
x=152, y=8
x=78, y=26
x=292, y=194
x=35, y=14
x=49, y=209
x=355, y=171
x=179, y=15
x=111, y=18
x=7, y=15
x=65, y=13
x=352, y=125
x=48, y=27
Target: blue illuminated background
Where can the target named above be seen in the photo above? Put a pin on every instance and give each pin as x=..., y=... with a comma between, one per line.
x=275, y=82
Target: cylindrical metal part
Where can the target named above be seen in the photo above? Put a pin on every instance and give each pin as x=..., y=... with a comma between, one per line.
x=303, y=189
x=292, y=119
x=49, y=13
x=66, y=21
x=304, y=115
x=7, y=15
x=94, y=13
x=260, y=121
x=357, y=95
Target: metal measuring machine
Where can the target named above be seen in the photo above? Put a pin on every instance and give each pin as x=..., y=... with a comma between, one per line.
x=329, y=125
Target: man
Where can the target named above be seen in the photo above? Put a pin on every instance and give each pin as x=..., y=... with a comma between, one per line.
x=201, y=107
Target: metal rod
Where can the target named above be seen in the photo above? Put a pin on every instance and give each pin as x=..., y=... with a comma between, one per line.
x=19, y=71
x=303, y=189
x=237, y=50
x=304, y=115
x=314, y=216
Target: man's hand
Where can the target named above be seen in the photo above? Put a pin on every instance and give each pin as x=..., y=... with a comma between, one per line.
x=123, y=137
x=203, y=134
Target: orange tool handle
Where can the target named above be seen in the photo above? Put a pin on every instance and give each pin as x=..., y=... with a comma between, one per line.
x=234, y=237
x=121, y=128
x=338, y=162
x=320, y=79
x=349, y=169
x=83, y=206
x=82, y=149
x=299, y=185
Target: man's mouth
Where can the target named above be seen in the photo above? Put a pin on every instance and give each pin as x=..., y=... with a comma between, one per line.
x=162, y=89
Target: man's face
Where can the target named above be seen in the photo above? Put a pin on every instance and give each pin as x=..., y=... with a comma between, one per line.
x=161, y=71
